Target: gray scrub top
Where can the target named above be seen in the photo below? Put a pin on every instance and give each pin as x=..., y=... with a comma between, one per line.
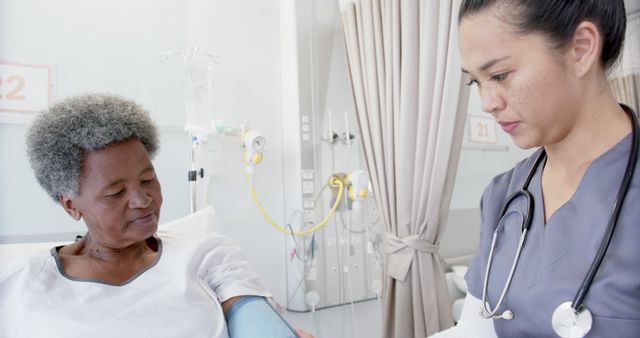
x=555, y=258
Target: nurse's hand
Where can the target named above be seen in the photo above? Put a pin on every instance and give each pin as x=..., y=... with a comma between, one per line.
x=303, y=334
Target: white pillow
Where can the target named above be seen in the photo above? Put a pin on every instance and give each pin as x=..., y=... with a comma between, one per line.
x=200, y=222
x=15, y=255
x=458, y=277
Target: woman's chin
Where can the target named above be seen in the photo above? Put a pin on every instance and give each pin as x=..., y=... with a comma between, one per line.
x=143, y=231
x=524, y=143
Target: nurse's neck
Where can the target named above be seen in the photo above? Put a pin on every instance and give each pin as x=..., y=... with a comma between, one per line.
x=600, y=124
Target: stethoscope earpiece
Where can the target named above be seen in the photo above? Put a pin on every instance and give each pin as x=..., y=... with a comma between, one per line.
x=507, y=315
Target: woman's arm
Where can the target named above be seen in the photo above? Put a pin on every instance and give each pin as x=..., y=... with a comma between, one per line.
x=471, y=324
x=226, y=305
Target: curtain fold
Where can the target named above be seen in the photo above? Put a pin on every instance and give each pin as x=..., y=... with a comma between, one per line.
x=410, y=105
x=626, y=82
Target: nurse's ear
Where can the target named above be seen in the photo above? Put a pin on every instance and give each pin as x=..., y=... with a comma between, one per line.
x=68, y=205
x=585, y=49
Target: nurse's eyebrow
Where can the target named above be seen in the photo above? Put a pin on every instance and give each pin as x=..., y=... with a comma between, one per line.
x=487, y=65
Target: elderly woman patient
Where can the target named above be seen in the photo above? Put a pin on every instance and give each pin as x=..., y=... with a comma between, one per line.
x=91, y=154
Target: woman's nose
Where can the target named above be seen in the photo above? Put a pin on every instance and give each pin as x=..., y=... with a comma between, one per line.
x=139, y=199
x=491, y=101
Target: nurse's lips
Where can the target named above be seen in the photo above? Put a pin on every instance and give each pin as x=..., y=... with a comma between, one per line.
x=146, y=218
x=509, y=127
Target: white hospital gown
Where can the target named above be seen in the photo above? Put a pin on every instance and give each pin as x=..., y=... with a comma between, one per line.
x=179, y=296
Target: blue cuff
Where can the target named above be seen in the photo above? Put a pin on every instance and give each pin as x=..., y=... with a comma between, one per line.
x=254, y=317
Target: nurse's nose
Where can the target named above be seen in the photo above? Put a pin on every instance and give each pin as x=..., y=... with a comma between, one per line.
x=139, y=199
x=492, y=101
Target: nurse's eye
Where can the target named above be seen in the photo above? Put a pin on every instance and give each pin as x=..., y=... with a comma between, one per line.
x=499, y=77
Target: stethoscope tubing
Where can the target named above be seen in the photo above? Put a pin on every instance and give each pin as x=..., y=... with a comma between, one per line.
x=615, y=214
x=578, y=299
x=487, y=312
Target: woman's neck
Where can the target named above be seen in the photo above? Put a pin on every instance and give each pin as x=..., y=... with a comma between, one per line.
x=600, y=125
x=96, y=251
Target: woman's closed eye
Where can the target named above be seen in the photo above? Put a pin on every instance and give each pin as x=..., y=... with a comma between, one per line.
x=146, y=181
x=115, y=194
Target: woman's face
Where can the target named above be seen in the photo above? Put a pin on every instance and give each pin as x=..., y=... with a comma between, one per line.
x=521, y=79
x=120, y=195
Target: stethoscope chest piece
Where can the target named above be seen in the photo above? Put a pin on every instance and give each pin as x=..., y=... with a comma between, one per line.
x=569, y=323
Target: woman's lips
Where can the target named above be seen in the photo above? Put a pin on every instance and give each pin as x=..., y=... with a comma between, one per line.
x=509, y=127
x=144, y=219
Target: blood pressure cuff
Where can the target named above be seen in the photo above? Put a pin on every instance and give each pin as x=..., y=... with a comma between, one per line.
x=254, y=317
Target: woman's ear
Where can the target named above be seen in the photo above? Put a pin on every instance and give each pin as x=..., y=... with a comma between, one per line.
x=586, y=48
x=69, y=207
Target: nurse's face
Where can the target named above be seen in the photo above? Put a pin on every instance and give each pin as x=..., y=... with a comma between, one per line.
x=120, y=196
x=521, y=79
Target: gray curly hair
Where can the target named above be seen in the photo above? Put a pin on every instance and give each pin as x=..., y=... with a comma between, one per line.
x=59, y=137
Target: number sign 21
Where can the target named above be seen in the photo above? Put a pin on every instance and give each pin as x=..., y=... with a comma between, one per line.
x=482, y=130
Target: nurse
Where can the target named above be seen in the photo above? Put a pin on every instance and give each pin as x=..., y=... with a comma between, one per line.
x=540, y=68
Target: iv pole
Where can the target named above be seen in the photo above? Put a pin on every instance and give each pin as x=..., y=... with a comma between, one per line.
x=198, y=77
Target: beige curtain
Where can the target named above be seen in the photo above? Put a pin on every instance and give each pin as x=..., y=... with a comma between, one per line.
x=626, y=82
x=627, y=90
x=410, y=106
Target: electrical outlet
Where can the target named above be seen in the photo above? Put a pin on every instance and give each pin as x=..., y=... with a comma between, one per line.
x=308, y=204
x=307, y=187
x=307, y=174
x=308, y=216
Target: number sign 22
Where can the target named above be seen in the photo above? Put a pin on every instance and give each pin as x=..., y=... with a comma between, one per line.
x=24, y=88
x=15, y=93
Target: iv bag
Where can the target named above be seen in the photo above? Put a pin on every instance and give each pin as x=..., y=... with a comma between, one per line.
x=198, y=75
x=198, y=92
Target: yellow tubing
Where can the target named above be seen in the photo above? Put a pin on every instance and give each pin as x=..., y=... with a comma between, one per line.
x=334, y=181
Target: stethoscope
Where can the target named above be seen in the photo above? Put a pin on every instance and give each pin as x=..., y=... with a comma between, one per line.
x=570, y=319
